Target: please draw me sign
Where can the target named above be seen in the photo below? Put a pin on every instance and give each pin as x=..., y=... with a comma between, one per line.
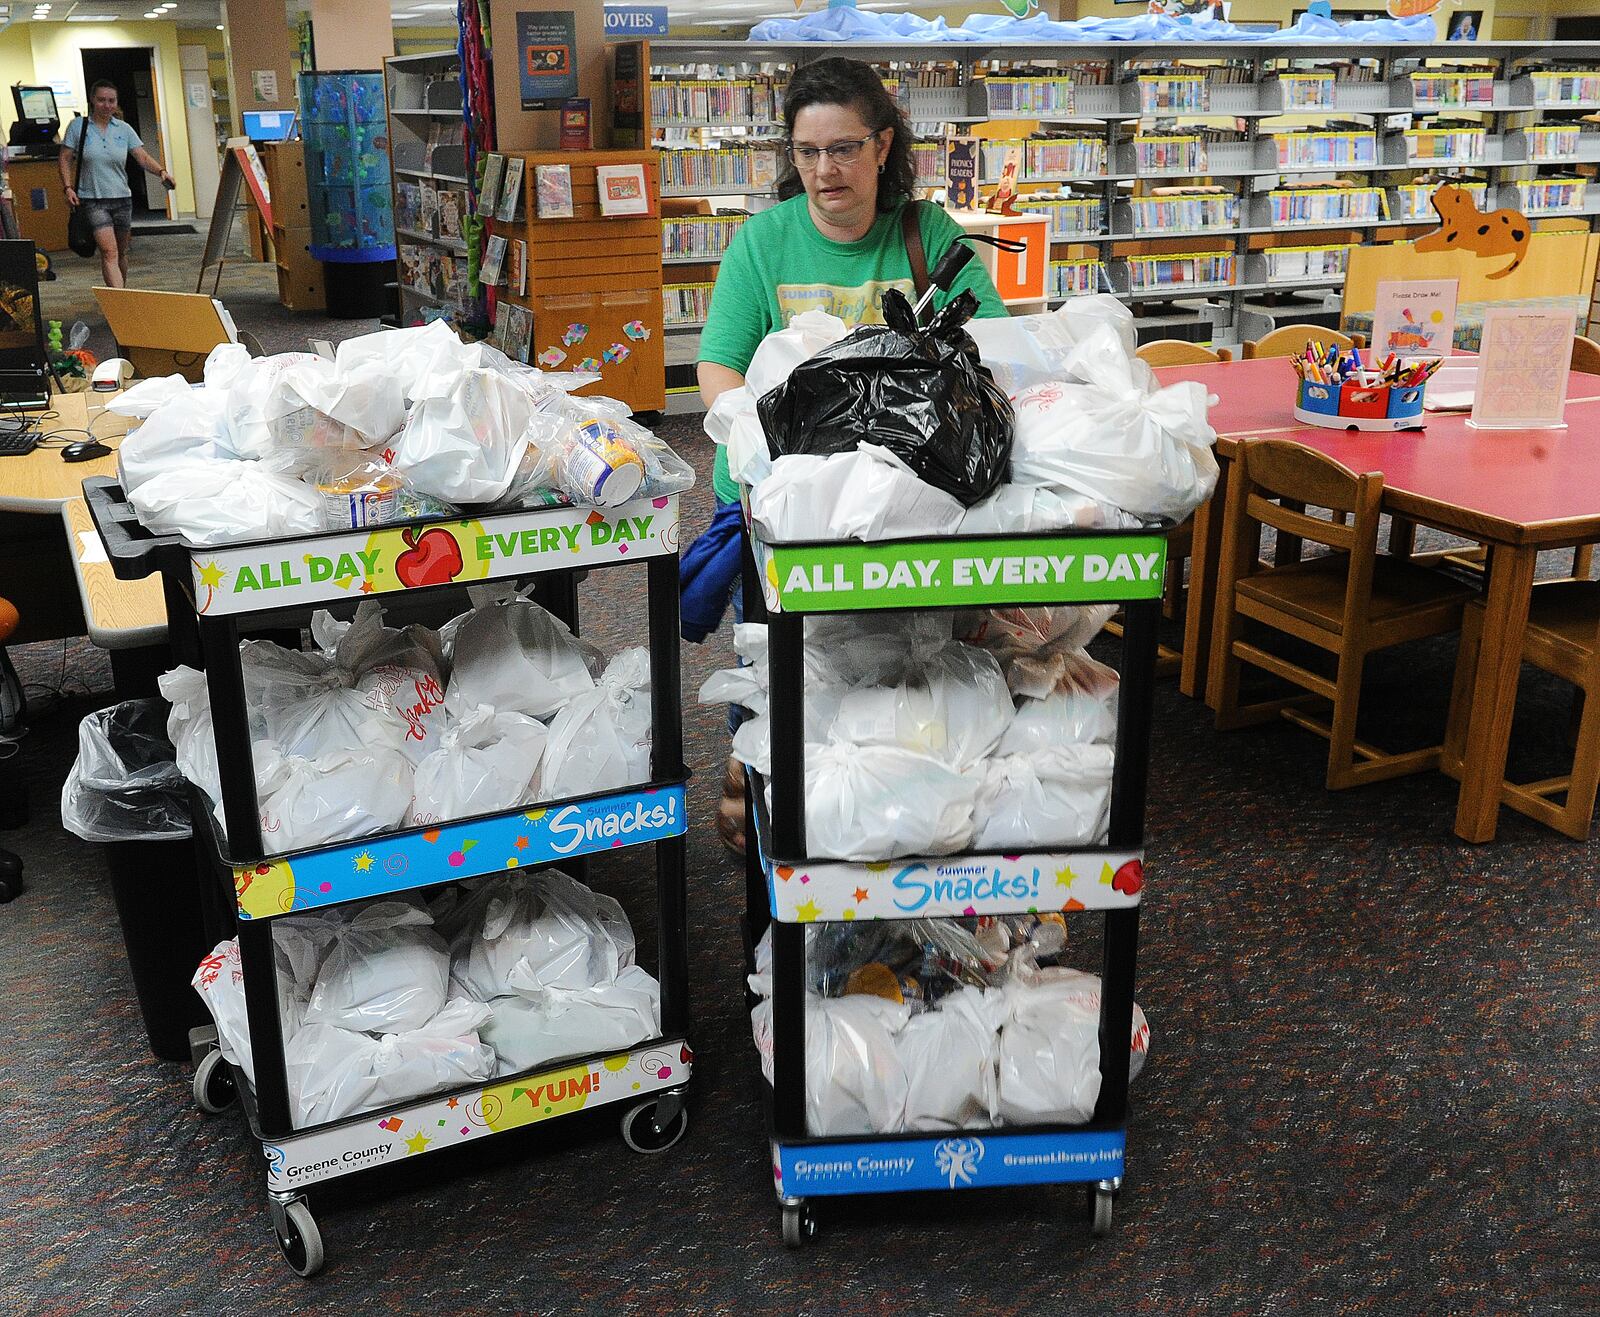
x=1057, y=569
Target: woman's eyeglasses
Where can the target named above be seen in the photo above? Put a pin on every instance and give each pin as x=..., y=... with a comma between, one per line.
x=805, y=158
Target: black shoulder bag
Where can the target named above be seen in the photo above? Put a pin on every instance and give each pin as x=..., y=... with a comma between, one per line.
x=80, y=236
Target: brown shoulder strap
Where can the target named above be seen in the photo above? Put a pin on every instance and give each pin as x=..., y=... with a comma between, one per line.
x=911, y=232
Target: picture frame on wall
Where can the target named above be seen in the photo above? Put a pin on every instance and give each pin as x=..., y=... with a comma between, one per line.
x=1465, y=25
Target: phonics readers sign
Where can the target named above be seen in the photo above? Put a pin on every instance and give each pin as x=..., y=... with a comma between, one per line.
x=831, y=577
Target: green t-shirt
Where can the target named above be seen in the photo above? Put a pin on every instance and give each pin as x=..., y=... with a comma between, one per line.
x=778, y=265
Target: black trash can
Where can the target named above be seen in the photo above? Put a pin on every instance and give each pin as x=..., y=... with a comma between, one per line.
x=125, y=793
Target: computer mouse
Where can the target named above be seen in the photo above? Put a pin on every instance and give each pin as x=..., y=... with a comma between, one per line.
x=84, y=450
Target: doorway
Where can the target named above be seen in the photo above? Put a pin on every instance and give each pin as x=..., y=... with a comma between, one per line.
x=131, y=69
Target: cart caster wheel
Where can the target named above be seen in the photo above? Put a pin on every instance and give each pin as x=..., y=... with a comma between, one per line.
x=302, y=1246
x=1101, y=1207
x=639, y=1131
x=214, y=1088
x=799, y=1226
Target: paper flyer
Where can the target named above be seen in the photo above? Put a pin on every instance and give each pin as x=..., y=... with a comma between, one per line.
x=1414, y=318
x=1522, y=368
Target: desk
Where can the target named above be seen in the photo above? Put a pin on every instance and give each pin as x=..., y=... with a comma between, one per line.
x=1518, y=491
x=36, y=560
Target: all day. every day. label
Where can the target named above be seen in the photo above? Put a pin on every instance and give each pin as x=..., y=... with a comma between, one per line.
x=1055, y=570
x=387, y=559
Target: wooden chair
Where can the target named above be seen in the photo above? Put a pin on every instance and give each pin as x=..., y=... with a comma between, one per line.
x=1291, y=340
x=1586, y=355
x=1174, y=596
x=1176, y=352
x=1563, y=638
x=1350, y=603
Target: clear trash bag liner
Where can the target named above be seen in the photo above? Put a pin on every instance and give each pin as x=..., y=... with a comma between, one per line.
x=126, y=784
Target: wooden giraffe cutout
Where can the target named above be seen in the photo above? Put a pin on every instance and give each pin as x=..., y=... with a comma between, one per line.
x=1463, y=227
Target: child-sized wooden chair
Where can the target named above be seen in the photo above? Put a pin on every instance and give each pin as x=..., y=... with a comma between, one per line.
x=1350, y=603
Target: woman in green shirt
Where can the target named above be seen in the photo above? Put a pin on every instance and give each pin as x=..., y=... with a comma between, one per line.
x=834, y=243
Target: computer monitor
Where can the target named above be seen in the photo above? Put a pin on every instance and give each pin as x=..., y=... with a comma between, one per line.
x=268, y=125
x=36, y=105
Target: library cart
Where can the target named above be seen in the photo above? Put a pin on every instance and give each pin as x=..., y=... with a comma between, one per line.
x=787, y=889
x=216, y=594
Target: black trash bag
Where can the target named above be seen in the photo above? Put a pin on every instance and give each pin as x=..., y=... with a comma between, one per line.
x=920, y=393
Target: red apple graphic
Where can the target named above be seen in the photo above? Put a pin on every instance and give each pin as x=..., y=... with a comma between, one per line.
x=1129, y=878
x=432, y=558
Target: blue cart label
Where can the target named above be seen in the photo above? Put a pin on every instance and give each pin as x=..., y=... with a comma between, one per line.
x=959, y=1161
x=957, y=885
x=387, y=559
x=449, y=1121
x=541, y=834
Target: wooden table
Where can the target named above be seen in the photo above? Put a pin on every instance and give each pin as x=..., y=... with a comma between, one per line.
x=42, y=568
x=1518, y=491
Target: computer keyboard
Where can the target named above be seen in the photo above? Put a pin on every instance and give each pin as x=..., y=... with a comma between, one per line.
x=18, y=442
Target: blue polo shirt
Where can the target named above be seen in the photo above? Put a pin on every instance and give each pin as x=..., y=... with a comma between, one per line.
x=105, y=162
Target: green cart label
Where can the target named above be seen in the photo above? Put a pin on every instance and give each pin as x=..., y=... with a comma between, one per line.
x=1049, y=570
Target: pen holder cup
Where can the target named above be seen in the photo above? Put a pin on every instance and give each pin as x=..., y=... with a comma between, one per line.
x=1358, y=406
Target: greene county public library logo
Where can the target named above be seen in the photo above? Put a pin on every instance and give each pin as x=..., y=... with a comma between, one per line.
x=958, y=1158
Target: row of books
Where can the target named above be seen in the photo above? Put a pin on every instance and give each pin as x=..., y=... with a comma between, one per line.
x=505, y=261
x=1082, y=73
x=1457, y=145
x=1184, y=153
x=1287, y=264
x=1070, y=217
x=1561, y=86
x=685, y=304
x=1146, y=273
x=927, y=159
x=740, y=101
x=692, y=170
x=439, y=274
x=1544, y=195
x=1453, y=89
x=1169, y=93
x=1414, y=201
x=1208, y=208
x=1045, y=157
x=1074, y=278
x=1308, y=91
x=1553, y=141
x=435, y=211
x=705, y=236
x=1325, y=150
x=1029, y=95
x=513, y=330
x=1314, y=205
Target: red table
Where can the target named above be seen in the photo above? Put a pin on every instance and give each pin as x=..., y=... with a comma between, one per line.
x=1518, y=491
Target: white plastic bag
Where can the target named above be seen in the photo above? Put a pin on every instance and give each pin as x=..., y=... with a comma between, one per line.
x=855, y=1081
x=952, y=705
x=186, y=429
x=1012, y=509
x=140, y=399
x=734, y=423
x=1050, y=1048
x=246, y=384
x=867, y=494
x=336, y=1072
x=310, y=707
x=332, y=797
x=1025, y=350
x=1044, y=799
x=876, y=802
x=777, y=355
x=562, y=1022
x=485, y=762
x=1008, y=633
x=1065, y=698
x=398, y=673
x=317, y=405
x=601, y=740
x=387, y=971
x=414, y=356
x=546, y=929
x=219, y=979
x=465, y=446
x=949, y=1056
x=1115, y=437
x=222, y=501
x=512, y=655
x=189, y=727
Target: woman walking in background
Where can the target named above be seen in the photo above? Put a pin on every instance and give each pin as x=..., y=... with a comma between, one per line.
x=106, y=142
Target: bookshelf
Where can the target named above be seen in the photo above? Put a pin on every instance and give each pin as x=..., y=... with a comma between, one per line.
x=1145, y=157
x=432, y=196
